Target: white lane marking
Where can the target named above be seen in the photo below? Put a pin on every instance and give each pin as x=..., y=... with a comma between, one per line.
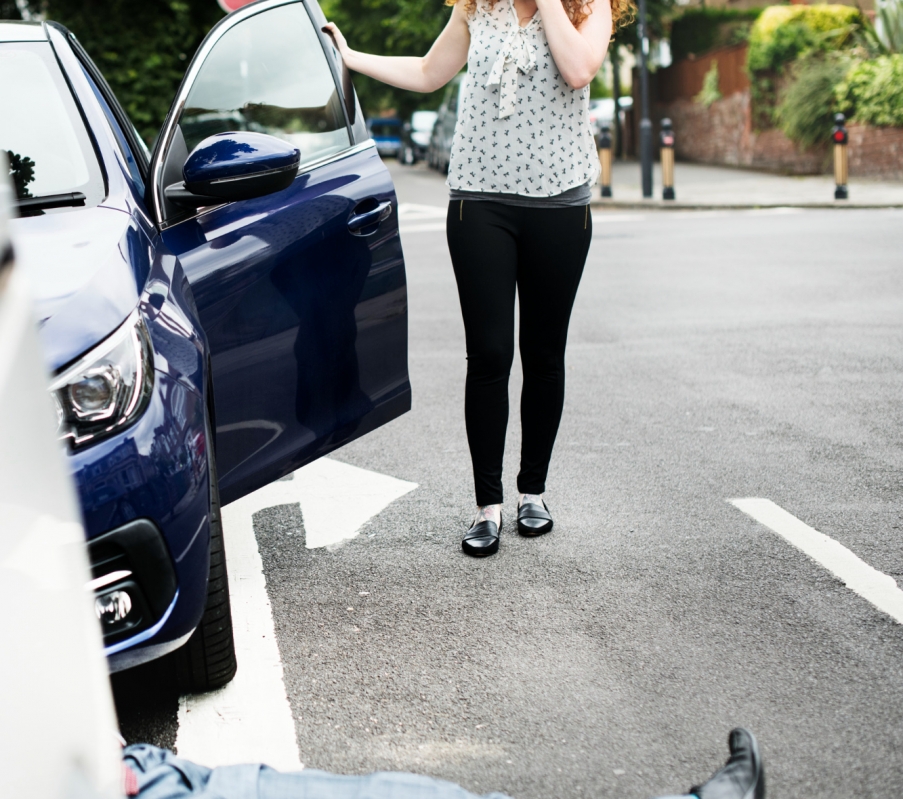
x=416, y=211
x=877, y=587
x=250, y=720
x=428, y=227
x=601, y=219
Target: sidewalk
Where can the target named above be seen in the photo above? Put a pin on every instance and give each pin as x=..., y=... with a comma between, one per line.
x=698, y=186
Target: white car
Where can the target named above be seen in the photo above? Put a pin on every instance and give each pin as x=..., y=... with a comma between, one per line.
x=58, y=726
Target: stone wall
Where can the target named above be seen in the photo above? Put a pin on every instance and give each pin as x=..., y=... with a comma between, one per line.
x=723, y=134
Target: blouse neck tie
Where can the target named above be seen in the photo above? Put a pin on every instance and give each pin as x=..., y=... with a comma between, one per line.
x=516, y=54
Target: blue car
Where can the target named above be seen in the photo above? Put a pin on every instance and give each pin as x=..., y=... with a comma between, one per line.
x=387, y=135
x=216, y=314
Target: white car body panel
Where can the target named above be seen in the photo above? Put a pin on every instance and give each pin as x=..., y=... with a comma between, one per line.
x=58, y=724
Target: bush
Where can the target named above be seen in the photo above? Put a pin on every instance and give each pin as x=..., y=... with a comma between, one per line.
x=806, y=110
x=872, y=91
x=784, y=34
x=701, y=29
x=710, y=91
x=142, y=49
x=389, y=27
x=781, y=34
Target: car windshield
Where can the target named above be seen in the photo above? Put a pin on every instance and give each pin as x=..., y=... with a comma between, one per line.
x=385, y=130
x=41, y=130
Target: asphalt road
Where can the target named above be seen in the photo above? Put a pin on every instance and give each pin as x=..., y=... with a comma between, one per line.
x=712, y=355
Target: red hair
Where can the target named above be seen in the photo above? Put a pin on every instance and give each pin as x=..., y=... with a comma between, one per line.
x=622, y=11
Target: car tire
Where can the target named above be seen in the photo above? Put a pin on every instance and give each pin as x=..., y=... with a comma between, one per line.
x=207, y=660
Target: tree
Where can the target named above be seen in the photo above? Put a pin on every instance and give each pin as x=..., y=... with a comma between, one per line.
x=142, y=49
x=389, y=27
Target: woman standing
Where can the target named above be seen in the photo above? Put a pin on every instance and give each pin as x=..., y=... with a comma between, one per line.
x=522, y=163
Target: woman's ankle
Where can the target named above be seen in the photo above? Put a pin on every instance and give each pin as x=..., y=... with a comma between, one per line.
x=535, y=499
x=491, y=513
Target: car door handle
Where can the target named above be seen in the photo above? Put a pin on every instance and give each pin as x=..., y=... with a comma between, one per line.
x=359, y=223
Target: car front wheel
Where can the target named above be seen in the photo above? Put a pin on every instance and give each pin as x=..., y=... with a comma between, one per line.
x=208, y=660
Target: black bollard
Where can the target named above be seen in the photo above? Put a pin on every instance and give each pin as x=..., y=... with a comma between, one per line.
x=841, y=162
x=605, y=160
x=666, y=141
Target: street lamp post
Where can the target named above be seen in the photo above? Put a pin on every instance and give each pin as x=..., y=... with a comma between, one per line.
x=645, y=123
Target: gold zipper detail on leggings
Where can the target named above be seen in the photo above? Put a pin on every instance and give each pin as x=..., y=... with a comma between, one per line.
x=461, y=212
x=586, y=217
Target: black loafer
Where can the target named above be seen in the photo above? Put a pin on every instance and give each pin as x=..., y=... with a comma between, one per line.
x=482, y=539
x=533, y=519
x=742, y=777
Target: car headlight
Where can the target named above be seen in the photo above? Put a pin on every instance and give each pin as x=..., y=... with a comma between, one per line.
x=108, y=387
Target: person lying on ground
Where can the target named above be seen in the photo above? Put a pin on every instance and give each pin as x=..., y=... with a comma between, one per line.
x=153, y=773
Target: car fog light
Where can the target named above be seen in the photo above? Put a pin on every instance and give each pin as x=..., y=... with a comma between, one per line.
x=113, y=607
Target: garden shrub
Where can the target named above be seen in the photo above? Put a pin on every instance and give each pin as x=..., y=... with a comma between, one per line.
x=784, y=34
x=781, y=34
x=701, y=29
x=710, y=91
x=805, y=112
x=872, y=91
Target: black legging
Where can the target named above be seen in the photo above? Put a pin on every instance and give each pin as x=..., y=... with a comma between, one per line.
x=540, y=252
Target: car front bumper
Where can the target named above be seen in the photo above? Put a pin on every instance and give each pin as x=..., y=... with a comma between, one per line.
x=153, y=476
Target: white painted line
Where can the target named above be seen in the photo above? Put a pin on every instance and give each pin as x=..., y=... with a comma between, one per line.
x=601, y=219
x=877, y=587
x=427, y=227
x=416, y=211
x=250, y=720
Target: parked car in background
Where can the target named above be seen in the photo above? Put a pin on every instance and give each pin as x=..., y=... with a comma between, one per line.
x=439, y=151
x=416, y=136
x=215, y=315
x=387, y=135
x=602, y=111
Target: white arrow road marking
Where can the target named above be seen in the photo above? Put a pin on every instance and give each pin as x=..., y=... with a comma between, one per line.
x=250, y=720
x=877, y=587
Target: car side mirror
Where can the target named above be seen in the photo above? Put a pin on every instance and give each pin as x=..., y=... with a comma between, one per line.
x=239, y=165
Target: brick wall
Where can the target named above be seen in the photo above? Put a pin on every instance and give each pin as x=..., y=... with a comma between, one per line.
x=723, y=134
x=876, y=152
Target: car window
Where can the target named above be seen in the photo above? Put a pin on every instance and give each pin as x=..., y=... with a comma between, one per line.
x=41, y=129
x=268, y=74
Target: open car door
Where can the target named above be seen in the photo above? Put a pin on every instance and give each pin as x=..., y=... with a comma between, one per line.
x=301, y=292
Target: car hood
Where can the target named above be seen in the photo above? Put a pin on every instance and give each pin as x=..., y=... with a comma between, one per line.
x=86, y=269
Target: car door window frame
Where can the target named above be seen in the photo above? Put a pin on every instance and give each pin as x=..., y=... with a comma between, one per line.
x=166, y=138
x=137, y=147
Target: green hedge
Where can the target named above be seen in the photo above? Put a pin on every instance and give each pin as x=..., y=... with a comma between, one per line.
x=142, y=49
x=872, y=91
x=701, y=29
x=782, y=34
